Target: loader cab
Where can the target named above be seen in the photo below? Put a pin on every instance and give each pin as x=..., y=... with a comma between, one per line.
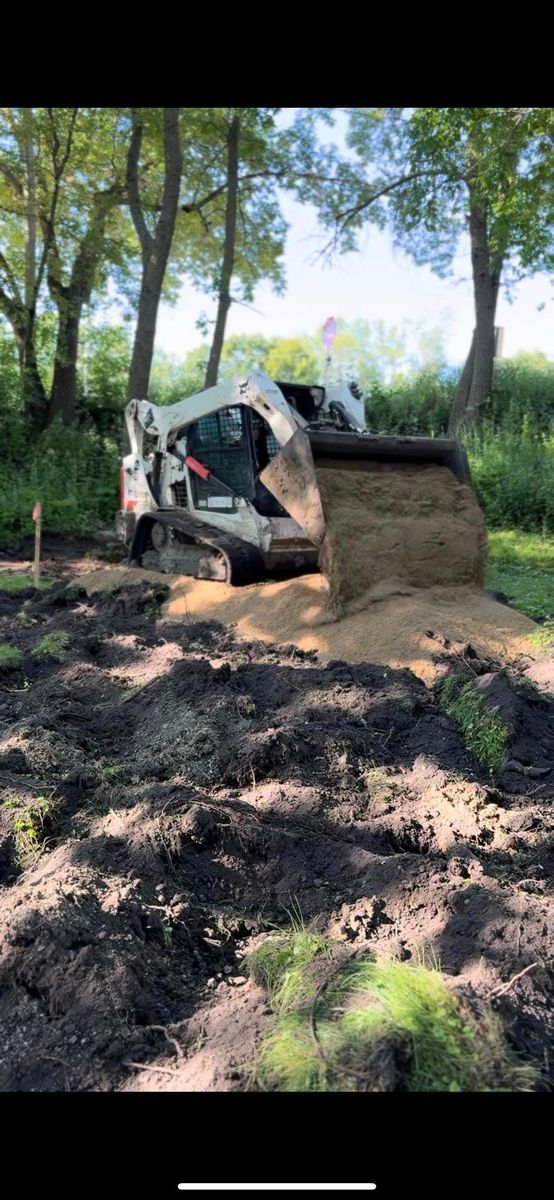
x=305, y=399
x=234, y=444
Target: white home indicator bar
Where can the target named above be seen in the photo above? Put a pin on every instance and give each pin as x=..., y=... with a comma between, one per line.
x=276, y=1187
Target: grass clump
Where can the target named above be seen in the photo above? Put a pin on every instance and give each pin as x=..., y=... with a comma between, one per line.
x=483, y=730
x=55, y=643
x=10, y=658
x=31, y=822
x=281, y=965
x=386, y=1027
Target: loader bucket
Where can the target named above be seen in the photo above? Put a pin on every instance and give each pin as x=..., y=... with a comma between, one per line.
x=291, y=474
x=291, y=478
x=345, y=449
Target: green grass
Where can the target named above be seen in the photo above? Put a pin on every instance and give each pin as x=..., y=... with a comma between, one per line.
x=30, y=823
x=483, y=730
x=381, y=1027
x=52, y=643
x=522, y=566
x=10, y=658
x=543, y=639
x=14, y=581
x=280, y=965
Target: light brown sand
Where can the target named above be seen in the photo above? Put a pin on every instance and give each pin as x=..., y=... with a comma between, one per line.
x=390, y=629
x=416, y=524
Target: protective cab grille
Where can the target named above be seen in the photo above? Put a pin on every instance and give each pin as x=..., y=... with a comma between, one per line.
x=180, y=494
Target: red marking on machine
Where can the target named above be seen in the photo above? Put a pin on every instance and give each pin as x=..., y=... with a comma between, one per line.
x=197, y=467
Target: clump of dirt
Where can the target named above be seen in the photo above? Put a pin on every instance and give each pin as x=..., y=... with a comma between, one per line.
x=406, y=525
x=174, y=790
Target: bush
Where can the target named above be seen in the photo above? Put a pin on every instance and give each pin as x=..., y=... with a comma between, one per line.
x=73, y=472
x=513, y=475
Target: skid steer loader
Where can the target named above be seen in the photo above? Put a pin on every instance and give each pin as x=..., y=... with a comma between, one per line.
x=223, y=485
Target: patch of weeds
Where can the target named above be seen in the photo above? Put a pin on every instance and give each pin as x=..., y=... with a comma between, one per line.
x=483, y=730
x=54, y=643
x=10, y=658
x=376, y=781
x=246, y=706
x=30, y=824
x=168, y=935
x=110, y=770
x=281, y=965
x=13, y=581
x=72, y=593
x=543, y=639
x=27, y=621
x=525, y=684
x=384, y=1027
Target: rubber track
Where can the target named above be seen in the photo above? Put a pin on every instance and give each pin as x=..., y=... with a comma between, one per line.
x=245, y=563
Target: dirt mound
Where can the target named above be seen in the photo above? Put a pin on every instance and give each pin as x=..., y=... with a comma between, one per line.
x=398, y=525
x=171, y=791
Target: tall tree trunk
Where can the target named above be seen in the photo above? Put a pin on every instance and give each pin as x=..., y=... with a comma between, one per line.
x=461, y=395
x=63, y=397
x=70, y=299
x=155, y=248
x=35, y=399
x=228, y=263
x=476, y=379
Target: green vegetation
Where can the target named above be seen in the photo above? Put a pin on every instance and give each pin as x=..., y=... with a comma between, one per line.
x=483, y=730
x=374, y=1026
x=10, y=658
x=55, y=643
x=543, y=639
x=279, y=966
x=30, y=824
x=13, y=581
x=75, y=471
x=522, y=566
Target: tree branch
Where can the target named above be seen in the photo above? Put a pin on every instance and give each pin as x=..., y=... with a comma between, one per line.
x=196, y=205
x=47, y=221
x=5, y=267
x=13, y=181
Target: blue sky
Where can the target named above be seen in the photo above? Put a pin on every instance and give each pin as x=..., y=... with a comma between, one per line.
x=377, y=283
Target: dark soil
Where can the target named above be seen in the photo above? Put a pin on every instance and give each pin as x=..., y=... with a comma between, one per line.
x=194, y=790
x=63, y=555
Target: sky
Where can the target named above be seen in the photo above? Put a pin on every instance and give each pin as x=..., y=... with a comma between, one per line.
x=377, y=282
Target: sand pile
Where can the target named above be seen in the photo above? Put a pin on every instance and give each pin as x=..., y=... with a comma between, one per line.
x=393, y=629
x=398, y=525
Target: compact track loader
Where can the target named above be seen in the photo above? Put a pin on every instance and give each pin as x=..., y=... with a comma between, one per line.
x=223, y=485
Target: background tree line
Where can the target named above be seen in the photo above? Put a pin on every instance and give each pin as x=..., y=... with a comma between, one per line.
x=104, y=206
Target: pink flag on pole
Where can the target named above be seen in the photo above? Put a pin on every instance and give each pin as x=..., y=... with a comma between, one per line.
x=329, y=332
x=37, y=511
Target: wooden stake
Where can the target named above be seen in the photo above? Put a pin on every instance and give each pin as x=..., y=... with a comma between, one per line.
x=38, y=530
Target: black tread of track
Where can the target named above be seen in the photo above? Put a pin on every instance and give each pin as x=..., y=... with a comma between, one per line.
x=245, y=564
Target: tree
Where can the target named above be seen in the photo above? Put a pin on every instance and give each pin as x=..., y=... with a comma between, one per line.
x=246, y=352
x=295, y=359
x=254, y=159
x=446, y=173
x=155, y=234
x=61, y=182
